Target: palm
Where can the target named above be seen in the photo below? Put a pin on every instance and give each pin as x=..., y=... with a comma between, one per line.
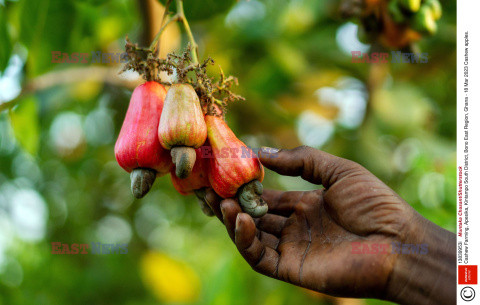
x=315, y=251
x=306, y=237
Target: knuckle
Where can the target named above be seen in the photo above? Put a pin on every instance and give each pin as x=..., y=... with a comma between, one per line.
x=304, y=149
x=345, y=167
x=349, y=165
x=256, y=264
x=227, y=204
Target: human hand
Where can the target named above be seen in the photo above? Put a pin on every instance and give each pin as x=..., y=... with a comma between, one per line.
x=308, y=238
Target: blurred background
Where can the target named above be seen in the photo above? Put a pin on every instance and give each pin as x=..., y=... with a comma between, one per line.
x=59, y=181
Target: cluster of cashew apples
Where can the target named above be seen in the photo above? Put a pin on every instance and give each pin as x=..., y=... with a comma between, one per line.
x=168, y=132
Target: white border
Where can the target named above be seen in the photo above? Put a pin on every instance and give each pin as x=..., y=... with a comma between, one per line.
x=468, y=20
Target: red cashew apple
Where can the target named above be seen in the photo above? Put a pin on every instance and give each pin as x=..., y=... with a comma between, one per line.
x=137, y=149
x=234, y=169
x=182, y=128
x=196, y=182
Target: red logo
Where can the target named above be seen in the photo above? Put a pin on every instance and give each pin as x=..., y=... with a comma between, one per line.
x=467, y=274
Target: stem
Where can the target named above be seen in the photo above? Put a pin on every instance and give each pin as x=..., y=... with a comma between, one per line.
x=180, y=16
x=156, y=40
x=184, y=20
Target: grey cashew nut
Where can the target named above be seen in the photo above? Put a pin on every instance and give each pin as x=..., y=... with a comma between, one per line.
x=184, y=158
x=142, y=180
x=249, y=196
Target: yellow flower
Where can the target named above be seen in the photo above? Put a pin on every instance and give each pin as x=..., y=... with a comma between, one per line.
x=170, y=280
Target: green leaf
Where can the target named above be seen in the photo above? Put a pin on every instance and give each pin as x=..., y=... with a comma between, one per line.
x=45, y=26
x=24, y=120
x=5, y=45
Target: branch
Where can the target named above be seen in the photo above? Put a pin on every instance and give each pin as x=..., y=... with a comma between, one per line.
x=146, y=8
x=184, y=20
x=57, y=78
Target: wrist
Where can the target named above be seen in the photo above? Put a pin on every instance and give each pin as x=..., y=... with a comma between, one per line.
x=427, y=276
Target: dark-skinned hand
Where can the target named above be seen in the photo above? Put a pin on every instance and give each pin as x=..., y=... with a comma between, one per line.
x=316, y=239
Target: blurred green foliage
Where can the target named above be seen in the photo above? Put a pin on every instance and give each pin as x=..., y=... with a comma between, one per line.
x=59, y=180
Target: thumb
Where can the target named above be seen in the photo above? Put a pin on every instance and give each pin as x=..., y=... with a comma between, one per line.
x=311, y=164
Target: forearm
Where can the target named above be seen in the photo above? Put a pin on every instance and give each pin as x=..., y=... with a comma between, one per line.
x=428, y=278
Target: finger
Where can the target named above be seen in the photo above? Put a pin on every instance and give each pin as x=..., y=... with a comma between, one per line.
x=200, y=194
x=213, y=201
x=269, y=240
x=272, y=224
x=311, y=164
x=261, y=258
x=281, y=203
x=205, y=208
x=230, y=209
x=271, y=196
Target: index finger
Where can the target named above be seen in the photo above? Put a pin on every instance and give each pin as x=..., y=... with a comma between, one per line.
x=311, y=164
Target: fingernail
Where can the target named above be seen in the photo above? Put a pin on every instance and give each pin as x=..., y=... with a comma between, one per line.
x=209, y=193
x=205, y=208
x=238, y=223
x=269, y=150
x=205, y=200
